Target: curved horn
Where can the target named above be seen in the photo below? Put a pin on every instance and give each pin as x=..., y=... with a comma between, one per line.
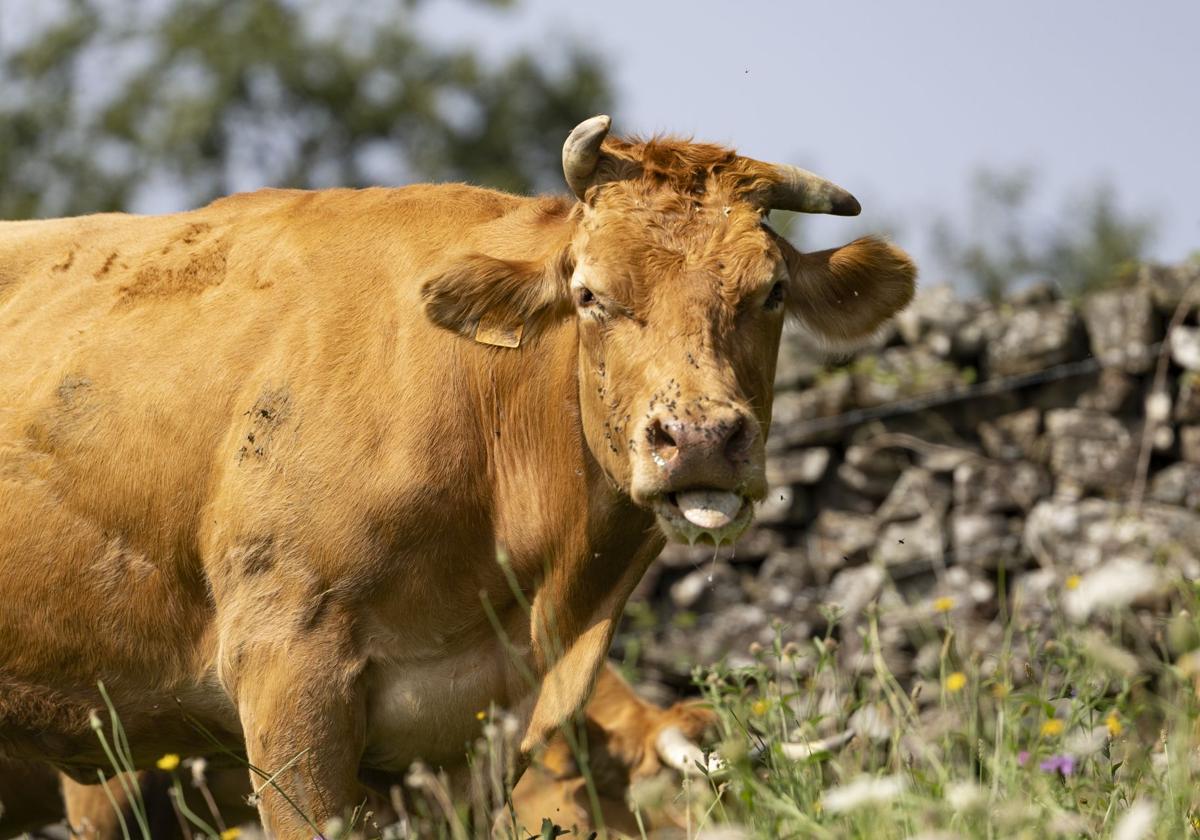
x=802, y=191
x=677, y=752
x=581, y=152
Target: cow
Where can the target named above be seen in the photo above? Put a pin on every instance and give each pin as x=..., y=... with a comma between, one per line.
x=320, y=475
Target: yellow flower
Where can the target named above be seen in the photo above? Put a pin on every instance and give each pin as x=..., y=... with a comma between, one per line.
x=168, y=762
x=943, y=604
x=1052, y=727
x=231, y=834
x=480, y=715
x=956, y=681
x=1114, y=724
x=1072, y=582
x=759, y=708
x=999, y=691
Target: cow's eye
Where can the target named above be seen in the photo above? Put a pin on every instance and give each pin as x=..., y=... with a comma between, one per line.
x=774, y=297
x=584, y=297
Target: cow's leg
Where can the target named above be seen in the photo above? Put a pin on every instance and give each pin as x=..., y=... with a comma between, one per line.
x=91, y=816
x=301, y=702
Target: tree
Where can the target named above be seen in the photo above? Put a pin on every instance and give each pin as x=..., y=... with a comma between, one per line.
x=119, y=99
x=1092, y=246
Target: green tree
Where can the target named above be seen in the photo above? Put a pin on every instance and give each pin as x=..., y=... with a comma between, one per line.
x=999, y=244
x=115, y=99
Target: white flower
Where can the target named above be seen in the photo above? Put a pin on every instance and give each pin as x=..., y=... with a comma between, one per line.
x=865, y=790
x=1115, y=584
x=965, y=796
x=1136, y=823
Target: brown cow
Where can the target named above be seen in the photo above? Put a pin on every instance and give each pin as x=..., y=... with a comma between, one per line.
x=326, y=473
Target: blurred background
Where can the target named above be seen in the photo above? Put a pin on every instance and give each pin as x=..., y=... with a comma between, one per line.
x=1004, y=143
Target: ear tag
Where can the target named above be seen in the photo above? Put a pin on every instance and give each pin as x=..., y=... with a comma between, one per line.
x=491, y=331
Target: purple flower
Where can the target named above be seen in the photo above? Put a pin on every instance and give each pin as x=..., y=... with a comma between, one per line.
x=1022, y=757
x=1063, y=764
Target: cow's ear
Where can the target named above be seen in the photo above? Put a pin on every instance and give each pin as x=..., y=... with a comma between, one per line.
x=495, y=301
x=845, y=294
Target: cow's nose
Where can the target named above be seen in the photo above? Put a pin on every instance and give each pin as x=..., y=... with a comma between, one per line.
x=704, y=452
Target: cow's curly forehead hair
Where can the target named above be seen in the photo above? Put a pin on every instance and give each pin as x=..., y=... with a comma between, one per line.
x=665, y=208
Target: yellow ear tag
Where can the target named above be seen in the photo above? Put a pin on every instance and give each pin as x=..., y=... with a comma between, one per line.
x=489, y=330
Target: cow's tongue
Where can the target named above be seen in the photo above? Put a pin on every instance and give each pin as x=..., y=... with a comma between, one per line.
x=709, y=509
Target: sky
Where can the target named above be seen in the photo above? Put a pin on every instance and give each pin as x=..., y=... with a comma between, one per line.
x=901, y=102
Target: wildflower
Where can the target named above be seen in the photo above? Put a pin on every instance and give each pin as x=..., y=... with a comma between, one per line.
x=999, y=691
x=759, y=708
x=1022, y=757
x=956, y=682
x=965, y=796
x=1113, y=723
x=480, y=715
x=1136, y=823
x=1063, y=764
x=1072, y=582
x=168, y=762
x=865, y=790
x=943, y=604
x=756, y=649
x=231, y=834
x=1115, y=584
x=1052, y=727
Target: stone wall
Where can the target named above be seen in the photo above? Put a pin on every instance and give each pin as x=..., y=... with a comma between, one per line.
x=972, y=450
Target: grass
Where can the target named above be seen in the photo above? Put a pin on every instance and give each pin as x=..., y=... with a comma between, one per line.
x=1058, y=729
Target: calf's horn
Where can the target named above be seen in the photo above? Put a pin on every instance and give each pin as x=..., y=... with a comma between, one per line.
x=581, y=152
x=677, y=752
x=800, y=190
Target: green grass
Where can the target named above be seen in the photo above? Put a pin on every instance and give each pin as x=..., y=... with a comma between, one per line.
x=1056, y=730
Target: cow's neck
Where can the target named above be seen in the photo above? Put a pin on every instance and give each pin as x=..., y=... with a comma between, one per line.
x=575, y=540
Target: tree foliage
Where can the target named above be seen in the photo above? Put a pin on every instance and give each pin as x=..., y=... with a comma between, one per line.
x=115, y=103
x=1092, y=243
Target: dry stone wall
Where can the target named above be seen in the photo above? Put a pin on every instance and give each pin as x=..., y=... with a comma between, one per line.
x=975, y=452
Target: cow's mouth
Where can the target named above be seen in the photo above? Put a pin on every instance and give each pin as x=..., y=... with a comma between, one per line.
x=703, y=515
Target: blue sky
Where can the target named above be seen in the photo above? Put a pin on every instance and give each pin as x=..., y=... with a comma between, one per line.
x=901, y=101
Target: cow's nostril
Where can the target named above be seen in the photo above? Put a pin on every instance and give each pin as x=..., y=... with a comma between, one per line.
x=737, y=445
x=662, y=444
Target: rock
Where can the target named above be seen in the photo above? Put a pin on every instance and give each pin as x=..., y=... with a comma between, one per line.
x=1178, y=484
x=933, y=317
x=1121, y=326
x=1013, y=436
x=1187, y=403
x=986, y=540
x=911, y=547
x=1185, y=347
x=807, y=465
x=1078, y=535
x=839, y=538
x=977, y=334
x=1189, y=444
x=796, y=416
x=982, y=486
x=901, y=372
x=1111, y=393
x=1033, y=339
x=1168, y=284
x=916, y=493
x=853, y=589
x=1091, y=449
x=801, y=360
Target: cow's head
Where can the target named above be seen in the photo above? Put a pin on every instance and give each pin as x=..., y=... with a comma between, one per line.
x=680, y=290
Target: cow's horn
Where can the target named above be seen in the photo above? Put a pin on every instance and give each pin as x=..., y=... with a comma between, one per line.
x=677, y=752
x=800, y=190
x=581, y=152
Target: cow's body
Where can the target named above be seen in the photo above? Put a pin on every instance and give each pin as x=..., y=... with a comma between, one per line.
x=255, y=474
x=236, y=419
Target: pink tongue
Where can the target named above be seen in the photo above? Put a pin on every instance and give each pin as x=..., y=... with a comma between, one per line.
x=709, y=509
